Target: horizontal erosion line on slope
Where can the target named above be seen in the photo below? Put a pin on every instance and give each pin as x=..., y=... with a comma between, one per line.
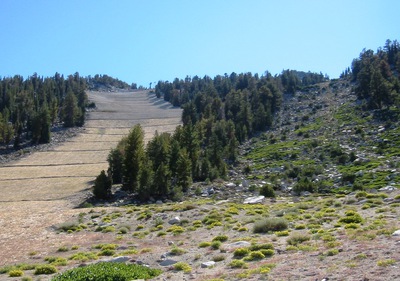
x=100, y=141
x=52, y=165
x=48, y=177
x=80, y=150
x=98, y=134
x=33, y=200
x=94, y=141
x=131, y=119
x=130, y=127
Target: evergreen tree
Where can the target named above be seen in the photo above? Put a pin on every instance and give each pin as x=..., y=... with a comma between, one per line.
x=146, y=180
x=161, y=181
x=184, y=170
x=102, y=186
x=41, y=126
x=115, y=163
x=134, y=153
x=71, y=112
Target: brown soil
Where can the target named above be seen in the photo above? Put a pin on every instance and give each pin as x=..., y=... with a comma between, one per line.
x=42, y=189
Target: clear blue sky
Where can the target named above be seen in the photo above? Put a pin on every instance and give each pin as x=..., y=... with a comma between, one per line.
x=146, y=41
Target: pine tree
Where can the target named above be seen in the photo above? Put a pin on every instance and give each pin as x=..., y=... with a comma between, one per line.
x=115, y=163
x=102, y=186
x=70, y=112
x=134, y=153
x=184, y=170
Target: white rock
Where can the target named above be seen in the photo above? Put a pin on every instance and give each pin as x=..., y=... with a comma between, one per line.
x=396, y=233
x=388, y=188
x=254, y=200
x=207, y=264
x=238, y=244
x=231, y=184
x=175, y=220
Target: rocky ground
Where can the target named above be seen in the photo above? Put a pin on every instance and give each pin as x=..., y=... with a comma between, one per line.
x=342, y=233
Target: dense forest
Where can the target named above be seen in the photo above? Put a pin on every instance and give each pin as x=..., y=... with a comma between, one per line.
x=376, y=76
x=105, y=81
x=30, y=107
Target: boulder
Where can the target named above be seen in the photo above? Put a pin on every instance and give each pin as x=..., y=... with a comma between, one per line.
x=238, y=244
x=254, y=200
x=396, y=233
x=388, y=188
x=207, y=264
x=175, y=220
x=168, y=262
x=230, y=185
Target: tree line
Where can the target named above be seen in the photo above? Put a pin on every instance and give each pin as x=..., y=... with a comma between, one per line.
x=29, y=107
x=218, y=114
x=377, y=76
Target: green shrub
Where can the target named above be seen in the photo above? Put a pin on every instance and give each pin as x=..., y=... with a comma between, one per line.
x=45, y=269
x=297, y=238
x=218, y=258
x=57, y=261
x=183, y=266
x=332, y=252
x=176, y=229
x=264, y=246
x=177, y=251
x=267, y=252
x=267, y=191
x=282, y=233
x=83, y=256
x=221, y=238
x=270, y=224
x=237, y=264
x=241, y=252
x=15, y=273
x=108, y=271
x=204, y=244
x=216, y=244
x=255, y=255
x=351, y=217
x=385, y=263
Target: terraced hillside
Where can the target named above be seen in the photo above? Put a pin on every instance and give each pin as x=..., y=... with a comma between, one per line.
x=39, y=190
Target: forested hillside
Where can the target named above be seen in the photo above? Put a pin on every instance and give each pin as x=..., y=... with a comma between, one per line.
x=376, y=76
x=223, y=112
x=30, y=107
x=218, y=115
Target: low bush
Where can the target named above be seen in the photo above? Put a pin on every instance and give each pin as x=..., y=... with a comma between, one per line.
x=255, y=255
x=297, y=238
x=264, y=246
x=15, y=273
x=176, y=251
x=221, y=238
x=45, y=269
x=238, y=264
x=183, y=266
x=104, y=271
x=267, y=191
x=241, y=252
x=270, y=224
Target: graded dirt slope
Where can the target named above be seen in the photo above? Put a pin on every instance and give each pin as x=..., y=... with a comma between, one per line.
x=40, y=189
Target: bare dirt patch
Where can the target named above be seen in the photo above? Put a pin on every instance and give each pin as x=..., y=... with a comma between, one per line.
x=41, y=189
